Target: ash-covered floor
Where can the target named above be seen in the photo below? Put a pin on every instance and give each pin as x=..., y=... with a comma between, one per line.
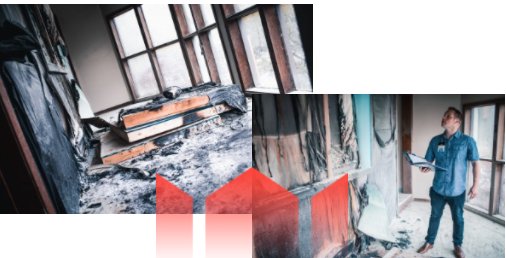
x=482, y=237
x=199, y=165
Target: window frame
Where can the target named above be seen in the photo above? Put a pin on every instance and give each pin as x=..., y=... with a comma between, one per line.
x=231, y=41
x=201, y=30
x=275, y=44
x=184, y=41
x=123, y=59
x=492, y=212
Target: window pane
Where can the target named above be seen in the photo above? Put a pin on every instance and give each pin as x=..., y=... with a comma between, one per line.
x=160, y=24
x=257, y=52
x=240, y=7
x=189, y=18
x=293, y=47
x=501, y=192
x=219, y=56
x=482, y=129
x=201, y=59
x=481, y=201
x=143, y=77
x=207, y=13
x=173, y=66
x=500, y=134
x=129, y=33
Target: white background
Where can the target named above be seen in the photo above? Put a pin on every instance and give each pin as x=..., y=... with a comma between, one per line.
x=433, y=46
x=410, y=47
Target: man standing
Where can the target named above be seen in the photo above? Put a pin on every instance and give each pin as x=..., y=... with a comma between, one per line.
x=451, y=150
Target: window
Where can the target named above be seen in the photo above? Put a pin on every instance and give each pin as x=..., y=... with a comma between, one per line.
x=169, y=45
x=268, y=48
x=203, y=42
x=485, y=123
x=183, y=45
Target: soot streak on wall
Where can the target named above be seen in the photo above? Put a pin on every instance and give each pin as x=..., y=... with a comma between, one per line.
x=288, y=139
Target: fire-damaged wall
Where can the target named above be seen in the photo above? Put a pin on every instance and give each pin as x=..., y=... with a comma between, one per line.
x=288, y=139
x=36, y=74
x=292, y=146
x=384, y=146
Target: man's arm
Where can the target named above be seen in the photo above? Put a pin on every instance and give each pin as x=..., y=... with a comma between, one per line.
x=476, y=179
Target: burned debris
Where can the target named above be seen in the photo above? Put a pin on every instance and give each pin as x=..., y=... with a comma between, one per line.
x=183, y=152
x=112, y=169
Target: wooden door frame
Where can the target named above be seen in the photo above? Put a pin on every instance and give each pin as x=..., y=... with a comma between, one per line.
x=19, y=174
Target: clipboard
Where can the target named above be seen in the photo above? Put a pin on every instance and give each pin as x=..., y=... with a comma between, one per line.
x=421, y=162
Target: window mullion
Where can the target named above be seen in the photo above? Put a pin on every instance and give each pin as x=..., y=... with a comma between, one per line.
x=210, y=59
x=227, y=10
x=149, y=45
x=144, y=28
x=205, y=44
x=226, y=43
x=272, y=30
x=121, y=52
x=116, y=39
x=126, y=69
x=197, y=16
x=165, y=44
x=182, y=28
x=192, y=57
x=239, y=52
x=493, y=186
x=135, y=55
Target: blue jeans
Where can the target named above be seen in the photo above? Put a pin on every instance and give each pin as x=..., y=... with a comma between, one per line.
x=456, y=204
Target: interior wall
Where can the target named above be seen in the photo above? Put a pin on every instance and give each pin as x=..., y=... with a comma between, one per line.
x=44, y=105
x=427, y=113
x=108, y=9
x=93, y=54
x=294, y=142
x=473, y=98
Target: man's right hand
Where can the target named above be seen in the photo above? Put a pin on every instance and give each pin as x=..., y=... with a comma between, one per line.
x=424, y=169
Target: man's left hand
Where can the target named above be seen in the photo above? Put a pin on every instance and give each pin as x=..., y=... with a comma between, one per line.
x=473, y=192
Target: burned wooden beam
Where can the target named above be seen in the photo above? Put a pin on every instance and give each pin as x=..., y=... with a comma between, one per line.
x=114, y=150
x=171, y=108
x=170, y=123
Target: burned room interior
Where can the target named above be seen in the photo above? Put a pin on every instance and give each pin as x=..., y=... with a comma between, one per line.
x=344, y=152
x=98, y=101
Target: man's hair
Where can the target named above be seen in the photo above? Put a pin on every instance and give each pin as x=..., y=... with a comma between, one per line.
x=456, y=112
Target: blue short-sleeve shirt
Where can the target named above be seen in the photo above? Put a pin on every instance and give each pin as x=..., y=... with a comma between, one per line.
x=453, y=154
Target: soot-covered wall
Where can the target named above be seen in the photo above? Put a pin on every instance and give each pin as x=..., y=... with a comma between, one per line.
x=35, y=71
x=289, y=138
x=362, y=135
